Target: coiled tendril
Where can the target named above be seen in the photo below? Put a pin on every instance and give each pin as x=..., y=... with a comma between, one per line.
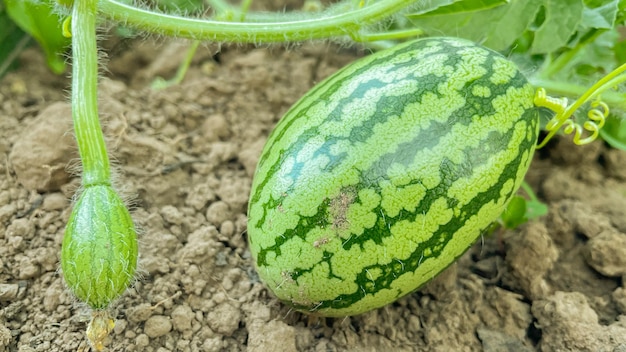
x=597, y=115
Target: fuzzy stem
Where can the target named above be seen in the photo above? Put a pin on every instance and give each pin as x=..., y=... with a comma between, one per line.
x=283, y=29
x=91, y=146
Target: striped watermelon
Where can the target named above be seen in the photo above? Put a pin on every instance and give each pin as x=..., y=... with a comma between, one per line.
x=386, y=172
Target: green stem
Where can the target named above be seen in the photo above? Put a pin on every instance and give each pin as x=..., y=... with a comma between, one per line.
x=161, y=83
x=283, y=28
x=245, y=7
x=89, y=136
x=389, y=35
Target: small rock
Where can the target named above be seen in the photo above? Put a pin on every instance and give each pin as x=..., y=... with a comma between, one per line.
x=27, y=269
x=120, y=326
x=227, y=228
x=182, y=317
x=224, y=319
x=6, y=212
x=157, y=325
x=8, y=292
x=52, y=298
x=213, y=344
x=172, y=215
x=568, y=323
x=263, y=337
x=606, y=253
x=142, y=340
x=214, y=128
x=54, y=201
x=21, y=227
x=619, y=296
x=217, y=213
x=140, y=313
x=5, y=338
x=587, y=221
x=235, y=193
x=495, y=341
x=530, y=256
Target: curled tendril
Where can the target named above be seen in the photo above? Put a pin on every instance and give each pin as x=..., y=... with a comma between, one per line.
x=597, y=115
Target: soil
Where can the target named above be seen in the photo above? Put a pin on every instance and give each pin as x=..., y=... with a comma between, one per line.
x=185, y=157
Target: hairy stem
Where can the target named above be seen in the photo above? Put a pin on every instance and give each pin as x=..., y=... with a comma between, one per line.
x=91, y=146
x=283, y=28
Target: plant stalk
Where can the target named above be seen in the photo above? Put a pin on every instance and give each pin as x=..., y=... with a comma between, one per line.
x=283, y=29
x=89, y=137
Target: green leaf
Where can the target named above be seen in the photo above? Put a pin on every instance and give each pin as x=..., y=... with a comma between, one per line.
x=38, y=20
x=592, y=60
x=513, y=18
x=423, y=7
x=614, y=132
x=562, y=18
x=515, y=213
x=598, y=15
x=465, y=7
x=12, y=41
x=519, y=210
x=535, y=209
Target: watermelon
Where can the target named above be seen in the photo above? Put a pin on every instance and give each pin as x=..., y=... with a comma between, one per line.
x=385, y=173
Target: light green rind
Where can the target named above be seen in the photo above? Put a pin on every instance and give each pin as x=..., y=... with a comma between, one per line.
x=382, y=175
x=99, y=253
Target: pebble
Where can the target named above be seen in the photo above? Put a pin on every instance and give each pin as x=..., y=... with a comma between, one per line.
x=8, y=292
x=182, y=317
x=606, y=253
x=157, y=325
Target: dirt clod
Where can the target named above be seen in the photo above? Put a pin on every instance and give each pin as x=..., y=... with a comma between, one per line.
x=157, y=325
x=569, y=314
x=42, y=153
x=606, y=253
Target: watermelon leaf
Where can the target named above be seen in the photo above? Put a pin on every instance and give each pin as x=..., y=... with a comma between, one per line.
x=520, y=210
x=602, y=16
x=467, y=6
x=614, y=132
x=12, y=41
x=38, y=20
x=513, y=19
x=515, y=213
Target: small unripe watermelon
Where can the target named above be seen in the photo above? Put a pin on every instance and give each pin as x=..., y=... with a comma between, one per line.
x=99, y=252
x=385, y=173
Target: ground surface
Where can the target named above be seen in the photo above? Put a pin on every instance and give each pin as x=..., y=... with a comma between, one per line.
x=185, y=158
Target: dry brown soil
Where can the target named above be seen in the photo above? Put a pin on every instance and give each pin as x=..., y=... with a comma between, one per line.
x=185, y=157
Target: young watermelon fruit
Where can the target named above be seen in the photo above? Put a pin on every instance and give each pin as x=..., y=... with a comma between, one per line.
x=385, y=173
